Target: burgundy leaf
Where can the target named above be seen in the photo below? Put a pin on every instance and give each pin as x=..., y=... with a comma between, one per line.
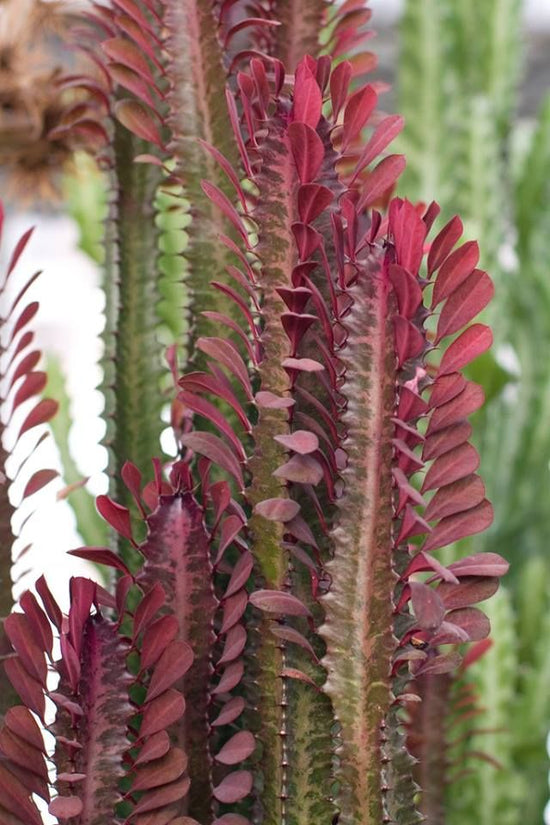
x=156, y=746
x=230, y=678
x=313, y=199
x=441, y=664
x=240, y=575
x=22, y=635
x=307, y=97
x=409, y=341
x=26, y=364
x=33, y=384
x=27, y=687
x=234, y=644
x=465, y=303
x=26, y=316
x=455, y=270
x=162, y=771
x=277, y=509
x=453, y=528
x=445, y=440
x=424, y=561
x=214, y=448
x=407, y=290
x=461, y=406
x=100, y=555
x=236, y=749
x=18, y=251
x=230, y=711
x=443, y=243
x=300, y=441
x=470, y=590
x=451, y=466
x=211, y=413
x=225, y=353
x=445, y=388
x=165, y=795
x=289, y=634
x=473, y=621
x=138, y=119
x=22, y=723
x=480, y=564
x=41, y=414
x=233, y=609
x=38, y=480
x=132, y=81
x=50, y=605
x=23, y=755
x=224, y=205
x=122, y=50
x=277, y=601
x=174, y=663
x=461, y=495
x=307, y=150
x=428, y=608
x=148, y=607
x=230, y=529
x=234, y=787
x=131, y=477
x=383, y=135
x=162, y=712
x=116, y=515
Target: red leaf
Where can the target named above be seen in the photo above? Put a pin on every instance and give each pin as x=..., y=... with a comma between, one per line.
x=26, y=364
x=277, y=601
x=454, y=498
x=233, y=609
x=33, y=384
x=29, y=689
x=358, y=110
x=150, y=604
x=207, y=410
x=465, y=303
x=443, y=243
x=156, y=638
x=461, y=406
x=132, y=81
x=231, y=527
x=162, y=712
x=23, y=636
x=339, y=83
x=381, y=137
x=445, y=388
x=39, y=480
x=289, y=634
x=237, y=749
x=229, y=712
x=480, y=564
x=161, y=771
x=174, y=663
x=471, y=590
x=313, y=199
x=307, y=97
x=472, y=620
x=445, y=440
x=382, y=177
x=41, y=414
x=472, y=342
x=451, y=466
x=131, y=477
x=307, y=150
x=407, y=290
x=234, y=787
x=226, y=354
x=409, y=341
x=138, y=119
x=300, y=441
x=116, y=515
x=277, y=509
x=50, y=605
x=21, y=722
x=214, y=448
x=455, y=270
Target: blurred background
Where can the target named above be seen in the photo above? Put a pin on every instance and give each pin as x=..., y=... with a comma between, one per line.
x=473, y=82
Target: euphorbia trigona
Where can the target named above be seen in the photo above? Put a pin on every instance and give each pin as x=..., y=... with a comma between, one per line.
x=252, y=661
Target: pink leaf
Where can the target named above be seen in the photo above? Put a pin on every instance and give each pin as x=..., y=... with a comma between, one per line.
x=229, y=712
x=237, y=749
x=301, y=469
x=240, y=575
x=234, y=644
x=165, y=795
x=160, y=772
x=300, y=441
x=277, y=601
x=225, y=353
x=472, y=342
x=445, y=388
x=214, y=448
x=480, y=564
x=66, y=807
x=289, y=634
x=155, y=747
x=230, y=678
x=234, y=787
x=307, y=150
x=455, y=270
x=277, y=509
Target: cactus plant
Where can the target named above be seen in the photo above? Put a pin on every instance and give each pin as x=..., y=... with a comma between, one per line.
x=275, y=586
